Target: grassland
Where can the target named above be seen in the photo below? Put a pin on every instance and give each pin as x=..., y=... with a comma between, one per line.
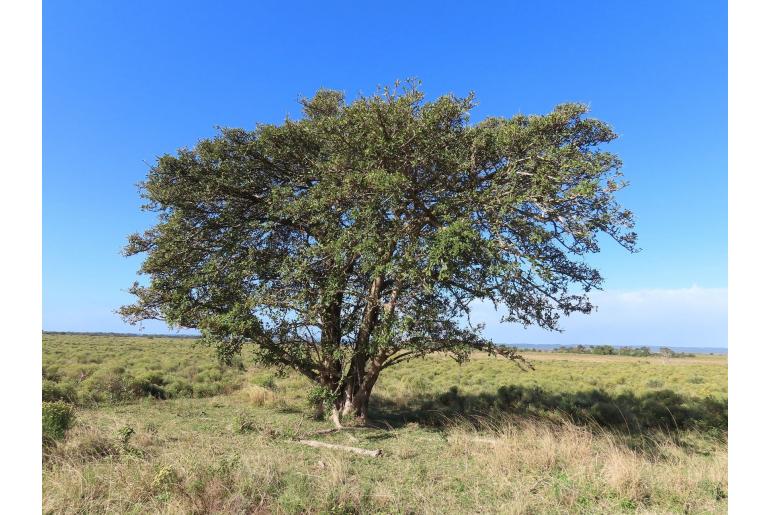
x=162, y=428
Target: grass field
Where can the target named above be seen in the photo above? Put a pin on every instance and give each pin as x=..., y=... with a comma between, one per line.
x=161, y=428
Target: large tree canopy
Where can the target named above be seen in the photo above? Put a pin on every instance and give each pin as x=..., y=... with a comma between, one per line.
x=356, y=237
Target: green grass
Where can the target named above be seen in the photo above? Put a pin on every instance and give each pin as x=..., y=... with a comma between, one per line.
x=92, y=370
x=453, y=441
x=635, y=394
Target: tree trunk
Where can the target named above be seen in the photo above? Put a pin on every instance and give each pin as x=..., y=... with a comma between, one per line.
x=353, y=401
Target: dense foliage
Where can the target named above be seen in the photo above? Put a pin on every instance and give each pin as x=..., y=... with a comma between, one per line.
x=356, y=237
x=57, y=418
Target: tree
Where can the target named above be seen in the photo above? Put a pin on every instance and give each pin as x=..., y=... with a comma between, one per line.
x=356, y=237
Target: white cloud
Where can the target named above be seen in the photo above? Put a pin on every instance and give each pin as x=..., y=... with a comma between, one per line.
x=687, y=317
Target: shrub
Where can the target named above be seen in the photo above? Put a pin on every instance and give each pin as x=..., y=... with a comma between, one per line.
x=112, y=385
x=164, y=480
x=180, y=388
x=201, y=390
x=53, y=391
x=52, y=373
x=267, y=382
x=58, y=417
x=321, y=399
x=243, y=423
x=124, y=434
x=150, y=385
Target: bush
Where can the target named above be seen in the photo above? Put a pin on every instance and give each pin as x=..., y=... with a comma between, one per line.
x=180, y=388
x=201, y=390
x=124, y=435
x=58, y=417
x=267, y=382
x=53, y=391
x=51, y=373
x=321, y=399
x=243, y=423
x=150, y=384
x=164, y=480
x=111, y=385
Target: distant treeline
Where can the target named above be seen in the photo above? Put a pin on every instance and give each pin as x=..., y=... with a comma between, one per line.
x=609, y=350
x=603, y=350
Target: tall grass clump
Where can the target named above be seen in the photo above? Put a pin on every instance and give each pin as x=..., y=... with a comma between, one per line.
x=58, y=418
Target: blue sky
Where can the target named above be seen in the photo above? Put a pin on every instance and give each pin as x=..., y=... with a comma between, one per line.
x=124, y=82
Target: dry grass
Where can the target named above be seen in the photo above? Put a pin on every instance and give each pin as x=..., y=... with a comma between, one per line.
x=195, y=464
x=545, y=467
x=259, y=396
x=233, y=453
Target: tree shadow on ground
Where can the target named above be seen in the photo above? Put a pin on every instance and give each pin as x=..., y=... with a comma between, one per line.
x=626, y=412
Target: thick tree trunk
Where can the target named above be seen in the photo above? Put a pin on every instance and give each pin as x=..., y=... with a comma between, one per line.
x=352, y=403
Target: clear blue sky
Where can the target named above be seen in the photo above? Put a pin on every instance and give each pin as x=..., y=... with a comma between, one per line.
x=126, y=81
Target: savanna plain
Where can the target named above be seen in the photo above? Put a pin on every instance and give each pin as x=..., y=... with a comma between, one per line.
x=156, y=425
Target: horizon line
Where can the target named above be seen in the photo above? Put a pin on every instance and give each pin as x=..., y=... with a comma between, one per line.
x=512, y=344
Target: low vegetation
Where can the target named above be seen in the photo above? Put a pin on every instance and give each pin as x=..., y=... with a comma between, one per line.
x=88, y=370
x=579, y=434
x=57, y=419
x=609, y=350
